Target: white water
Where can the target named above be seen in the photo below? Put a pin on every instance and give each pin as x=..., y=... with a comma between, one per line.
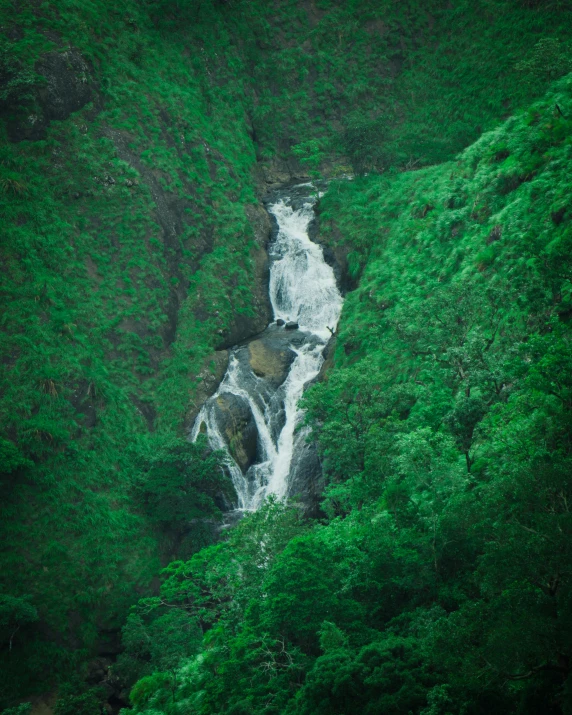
x=302, y=289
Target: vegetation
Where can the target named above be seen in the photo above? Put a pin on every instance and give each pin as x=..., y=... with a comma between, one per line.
x=438, y=579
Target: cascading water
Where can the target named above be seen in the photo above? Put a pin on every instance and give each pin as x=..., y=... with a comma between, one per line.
x=303, y=291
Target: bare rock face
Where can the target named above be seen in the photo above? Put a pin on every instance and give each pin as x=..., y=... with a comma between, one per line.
x=277, y=173
x=306, y=479
x=239, y=428
x=209, y=378
x=270, y=360
x=66, y=88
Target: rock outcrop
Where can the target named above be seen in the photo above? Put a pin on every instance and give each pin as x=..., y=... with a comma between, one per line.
x=306, y=479
x=270, y=359
x=239, y=428
x=209, y=379
x=66, y=87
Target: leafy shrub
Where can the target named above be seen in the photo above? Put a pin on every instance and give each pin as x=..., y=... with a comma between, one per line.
x=364, y=142
x=16, y=82
x=15, y=613
x=88, y=703
x=22, y=709
x=179, y=481
x=548, y=60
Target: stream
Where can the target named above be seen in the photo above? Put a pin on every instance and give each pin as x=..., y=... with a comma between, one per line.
x=254, y=416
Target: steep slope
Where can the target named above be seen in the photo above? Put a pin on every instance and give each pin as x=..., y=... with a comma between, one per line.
x=133, y=247
x=136, y=142
x=440, y=580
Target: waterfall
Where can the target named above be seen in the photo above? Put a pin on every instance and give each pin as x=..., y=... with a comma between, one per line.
x=306, y=303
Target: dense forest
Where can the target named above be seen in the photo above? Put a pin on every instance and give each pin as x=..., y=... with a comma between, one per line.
x=139, y=141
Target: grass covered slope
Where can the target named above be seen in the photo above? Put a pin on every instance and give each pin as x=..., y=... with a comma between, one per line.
x=446, y=422
x=439, y=581
x=133, y=142
x=383, y=83
x=128, y=255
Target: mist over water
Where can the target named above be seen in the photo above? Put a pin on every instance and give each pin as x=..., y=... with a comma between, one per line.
x=303, y=290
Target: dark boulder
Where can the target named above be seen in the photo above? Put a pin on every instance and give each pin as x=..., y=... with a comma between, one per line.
x=291, y=325
x=306, y=481
x=65, y=87
x=236, y=422
x=280, y=322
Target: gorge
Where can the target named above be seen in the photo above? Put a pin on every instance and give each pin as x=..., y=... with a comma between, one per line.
x=267, y=375
x=273, y=441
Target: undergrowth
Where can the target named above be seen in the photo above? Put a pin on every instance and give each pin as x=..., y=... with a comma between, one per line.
x=127, y=254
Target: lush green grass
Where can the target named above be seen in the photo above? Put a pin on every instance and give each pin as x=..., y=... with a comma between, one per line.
x=439, y=581
x=109, y=315
x=91, y=287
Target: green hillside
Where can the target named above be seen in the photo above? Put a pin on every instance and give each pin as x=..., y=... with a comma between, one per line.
x=137, y=143
x=439, y=579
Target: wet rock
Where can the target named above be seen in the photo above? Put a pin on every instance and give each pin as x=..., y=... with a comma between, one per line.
x=291, y=325
x=328, y=355
x=259, y=220
x=237, y=424
x=280, y=322
x=209, y=378
x=277, y=173
x=96, y=670
x=335, y=253
x=270, y=360
x=306, y=481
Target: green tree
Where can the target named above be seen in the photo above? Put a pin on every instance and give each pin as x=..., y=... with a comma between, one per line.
x=16, y=612
x=157, y=641
x=548, y=60
x=180, y=482
x=73, y=703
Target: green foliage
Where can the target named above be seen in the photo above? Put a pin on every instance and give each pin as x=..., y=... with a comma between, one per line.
x=331, y=637
x=439, y=581
x=365, y=143
x=311, y=153
x=547, y=61
x=127, y=259
x=22, y=709
x=146, y=688
x=70, y=703
x=16, y=81
x=179, y=481
x=15, y=613
x=156, y=642
x=117, y=232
